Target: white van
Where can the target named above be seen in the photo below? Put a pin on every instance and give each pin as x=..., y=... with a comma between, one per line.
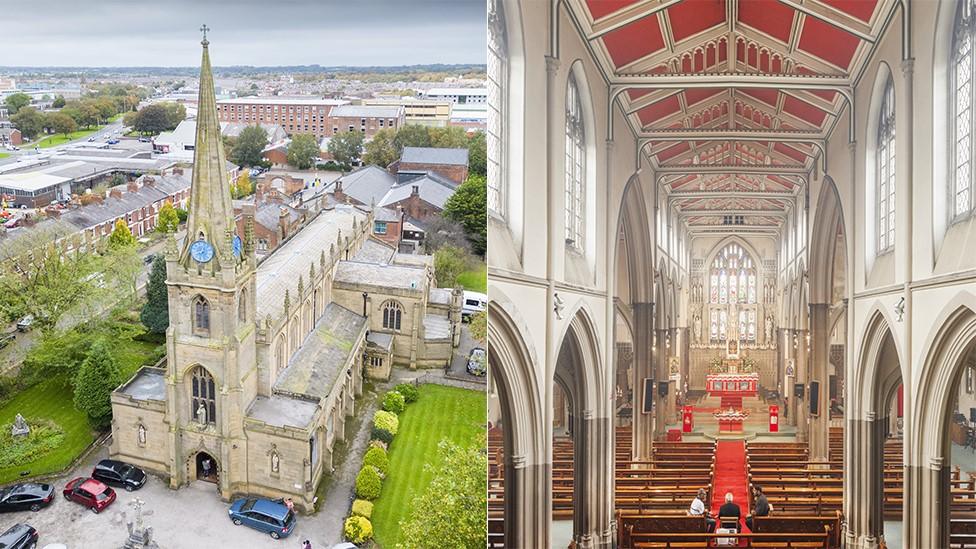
x=474, y=302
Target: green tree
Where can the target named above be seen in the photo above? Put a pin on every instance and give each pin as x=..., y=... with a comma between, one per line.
x=411, y=135
x=175, y=113
x=448, y=137
x=16, y=101
x=452, y=511
x=469, y=207
x=62, y=123
x=478, y=154
x=381, y=151
x=29, y=121
x=155, y=313
x=303, y=150
x=58, y=102
x=346, y=147
x=106, y=108
x=39, y=277
x=121, y=236
x=98, y=376
x=449, y=262
x=478, y=326
x=249, y=146
x=153, y=119
x=168, y=221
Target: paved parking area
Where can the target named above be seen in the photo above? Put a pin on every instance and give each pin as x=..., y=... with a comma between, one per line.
x=192, y=517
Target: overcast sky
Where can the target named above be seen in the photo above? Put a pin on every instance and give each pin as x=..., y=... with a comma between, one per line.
x=113, y=33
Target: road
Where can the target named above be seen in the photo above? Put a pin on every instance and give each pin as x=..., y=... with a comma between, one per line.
x=27, y=151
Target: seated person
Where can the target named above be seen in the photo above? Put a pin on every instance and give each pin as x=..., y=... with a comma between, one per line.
x=729, y=510
x=698, y=509
x=762, y=505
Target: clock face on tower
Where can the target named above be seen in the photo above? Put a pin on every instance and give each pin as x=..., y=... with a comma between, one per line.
x=201, y=251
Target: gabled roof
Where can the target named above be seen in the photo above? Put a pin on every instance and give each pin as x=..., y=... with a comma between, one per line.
x=368, y=184
x=433, y=189
x=322, y=357
x=434, y=155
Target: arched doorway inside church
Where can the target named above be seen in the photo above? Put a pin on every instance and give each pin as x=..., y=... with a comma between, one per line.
x=206, y=468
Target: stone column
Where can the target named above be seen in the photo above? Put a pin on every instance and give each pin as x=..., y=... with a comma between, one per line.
x=863, y=481
x=643, y=368
x=684, y=352
x=593, y=486
x=802, y=376
x=789, y=354
x=819, y=356
x=528, y=502
x=661, y=374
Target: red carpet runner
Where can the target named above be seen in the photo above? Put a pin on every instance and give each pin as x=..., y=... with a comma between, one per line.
x=730, y=476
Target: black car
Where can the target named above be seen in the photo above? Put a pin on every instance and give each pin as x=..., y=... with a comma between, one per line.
x=19, y=536
x=118, y=473
x=21, y=497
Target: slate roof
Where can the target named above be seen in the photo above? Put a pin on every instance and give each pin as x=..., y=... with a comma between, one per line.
x=385, y=214
x=280, y=270
x=322, y=357
x=112, y=208
x=383, y=341
x=368, y=185
x=268, y=213
x=436, y=327
x=434, y=155
x=433, y=189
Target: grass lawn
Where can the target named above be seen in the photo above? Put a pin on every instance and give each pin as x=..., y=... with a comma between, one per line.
x=475, y=280
x=60, y=139
x=441, y=412
x=53, y=399
x=4, y=155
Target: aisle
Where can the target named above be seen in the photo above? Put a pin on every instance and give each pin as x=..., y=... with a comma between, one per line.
x=730, y=476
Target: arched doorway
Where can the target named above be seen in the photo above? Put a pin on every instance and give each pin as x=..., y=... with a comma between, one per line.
x=206, y=468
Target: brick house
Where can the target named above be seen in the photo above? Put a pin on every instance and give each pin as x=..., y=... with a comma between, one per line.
x=367, y=119
x=420, y=197
x=449, y=163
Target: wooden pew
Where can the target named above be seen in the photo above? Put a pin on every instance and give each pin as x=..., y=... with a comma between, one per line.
x=800, y=524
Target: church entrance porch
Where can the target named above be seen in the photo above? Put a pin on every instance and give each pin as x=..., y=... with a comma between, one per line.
x=206, y=468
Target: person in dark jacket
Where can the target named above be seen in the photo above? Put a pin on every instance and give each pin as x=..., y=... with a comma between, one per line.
x=729, y=510
x=762, y=505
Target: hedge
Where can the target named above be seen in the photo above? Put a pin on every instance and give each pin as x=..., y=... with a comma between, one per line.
x=385, y=426
x=409, y=392
x=362, y=508
x=377, y=458
x=368, y=483
x=394, y=402
x=357, y=529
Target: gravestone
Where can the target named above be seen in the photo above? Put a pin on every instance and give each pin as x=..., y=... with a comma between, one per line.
x=20, y=427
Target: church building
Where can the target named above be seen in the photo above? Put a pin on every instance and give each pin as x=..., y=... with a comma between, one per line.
x=264, y=360
x=740, y=231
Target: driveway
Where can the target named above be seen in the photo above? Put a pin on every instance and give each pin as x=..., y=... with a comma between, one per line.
x=192, y=517
x=459, y=364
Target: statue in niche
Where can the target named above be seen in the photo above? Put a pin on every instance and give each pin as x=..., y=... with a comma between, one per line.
x=275, y=462
x=697, y=326
x=769, y=328
x=142, y=434
x=202, y=414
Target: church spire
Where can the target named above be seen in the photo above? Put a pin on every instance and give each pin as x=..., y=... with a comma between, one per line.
x=211, y=215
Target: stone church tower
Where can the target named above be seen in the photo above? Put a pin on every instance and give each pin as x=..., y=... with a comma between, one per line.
x=211, y=375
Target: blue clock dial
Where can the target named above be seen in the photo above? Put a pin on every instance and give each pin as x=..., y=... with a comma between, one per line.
x=201, y=251
x=238, y=245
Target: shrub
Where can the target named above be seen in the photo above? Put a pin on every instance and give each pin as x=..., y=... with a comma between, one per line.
x=394, y=402
x=375, y=443
x=368, y=483
x=362, y=508
x=357, y=529
x=377, y=458
x=409, y=392
x=385, y=426
x=44, y=436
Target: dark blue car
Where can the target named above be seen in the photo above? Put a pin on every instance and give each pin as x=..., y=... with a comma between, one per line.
x=269, y=516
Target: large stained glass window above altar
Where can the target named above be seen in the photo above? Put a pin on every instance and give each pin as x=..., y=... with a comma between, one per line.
x=733, y=296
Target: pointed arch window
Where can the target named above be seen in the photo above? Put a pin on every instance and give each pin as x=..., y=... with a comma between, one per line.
x=201, y=316
x=575, y=167
x=962, y=121
x=392, y=315
x=885, y=164
x=733, y=277
x=204, y=402
x=497, y=82
x=242, y=306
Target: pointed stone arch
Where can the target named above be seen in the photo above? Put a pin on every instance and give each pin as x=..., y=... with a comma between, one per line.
x=827, y=223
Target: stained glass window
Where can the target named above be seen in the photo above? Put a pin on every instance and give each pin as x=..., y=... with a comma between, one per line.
x=714, y=329
x=961, y=100
x=733, y=277
x=723, y=322
x=885, y=159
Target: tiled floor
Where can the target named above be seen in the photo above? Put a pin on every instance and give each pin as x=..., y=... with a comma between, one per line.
x=892, y=531
x=562, y=534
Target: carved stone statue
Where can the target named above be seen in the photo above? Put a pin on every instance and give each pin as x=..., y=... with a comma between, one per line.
x=202, y=414
x=769, y=328
x=697, y=326
x=142, y=434
x=20, y=427
x=274, y=462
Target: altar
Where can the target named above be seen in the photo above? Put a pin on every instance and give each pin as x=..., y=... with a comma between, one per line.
x=730, y=421
x=732, y=387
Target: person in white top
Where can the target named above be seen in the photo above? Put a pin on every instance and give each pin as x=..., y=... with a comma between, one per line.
x=698, y=509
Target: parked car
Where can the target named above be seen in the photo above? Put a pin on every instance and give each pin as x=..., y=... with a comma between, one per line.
x=90, y=139
x=474, y=302
x=12, y=224
x=270, y=516
x=19, y=536
x=29, y=495
x=148, y=260
x=476, y=361
x=119, y=473
x=90, y=493
x=145, y=140
x=113, y=141
x=24, y=324
x=7, y=339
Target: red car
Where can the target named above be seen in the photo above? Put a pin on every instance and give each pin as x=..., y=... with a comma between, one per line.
x=90, y=493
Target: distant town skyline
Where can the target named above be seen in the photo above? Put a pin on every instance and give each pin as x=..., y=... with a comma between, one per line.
x=116, y=33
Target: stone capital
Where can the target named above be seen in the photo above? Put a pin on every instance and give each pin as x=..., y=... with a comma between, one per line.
x=552, y=65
